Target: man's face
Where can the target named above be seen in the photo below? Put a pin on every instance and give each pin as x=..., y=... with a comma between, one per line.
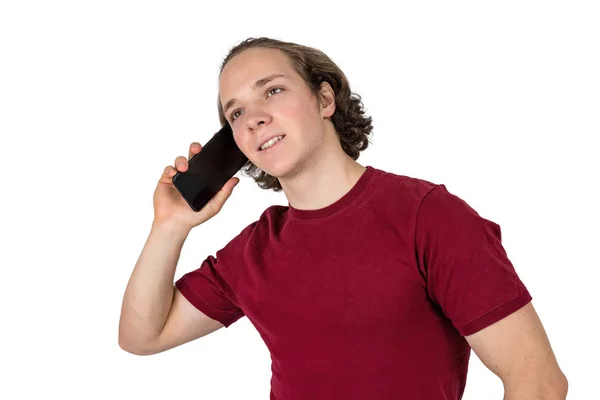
x=277, y=106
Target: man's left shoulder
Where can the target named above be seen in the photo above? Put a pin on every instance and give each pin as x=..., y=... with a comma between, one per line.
x=405, y=186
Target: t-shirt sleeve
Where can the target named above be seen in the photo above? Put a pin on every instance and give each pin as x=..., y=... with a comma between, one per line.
x=467, y=270
x=211, y=287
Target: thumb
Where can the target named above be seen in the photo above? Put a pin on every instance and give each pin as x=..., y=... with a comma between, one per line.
x=223, y=194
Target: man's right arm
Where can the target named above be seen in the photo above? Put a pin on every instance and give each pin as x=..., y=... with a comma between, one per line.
x=154, y=315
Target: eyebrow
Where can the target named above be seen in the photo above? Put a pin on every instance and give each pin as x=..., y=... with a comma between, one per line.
x=259, y=83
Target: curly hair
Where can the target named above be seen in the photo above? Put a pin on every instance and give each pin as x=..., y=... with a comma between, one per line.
x=352, y=125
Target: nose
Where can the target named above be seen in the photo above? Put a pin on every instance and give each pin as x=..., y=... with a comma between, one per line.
x=257, y=118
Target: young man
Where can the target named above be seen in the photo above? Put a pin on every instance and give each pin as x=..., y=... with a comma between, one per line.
x=368, y=285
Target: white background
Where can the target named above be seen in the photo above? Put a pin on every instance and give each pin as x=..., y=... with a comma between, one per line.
x=500, y=101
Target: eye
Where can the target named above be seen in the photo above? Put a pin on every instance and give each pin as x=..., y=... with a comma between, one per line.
x=275, y=88
x=232, y=116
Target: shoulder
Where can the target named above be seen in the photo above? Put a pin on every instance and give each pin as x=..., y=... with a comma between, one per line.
x=426, y=194
x=260, y=230
x=441, y=204
x=405, y=188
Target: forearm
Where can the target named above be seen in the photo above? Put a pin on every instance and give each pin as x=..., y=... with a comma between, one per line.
x=149, y=293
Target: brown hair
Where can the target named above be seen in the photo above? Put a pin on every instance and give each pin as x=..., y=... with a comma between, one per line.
x=351, y=124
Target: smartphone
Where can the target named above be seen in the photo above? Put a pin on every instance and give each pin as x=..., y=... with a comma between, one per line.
x=208, y=171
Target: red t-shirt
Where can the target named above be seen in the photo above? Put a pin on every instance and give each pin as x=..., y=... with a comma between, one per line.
x=369, y=297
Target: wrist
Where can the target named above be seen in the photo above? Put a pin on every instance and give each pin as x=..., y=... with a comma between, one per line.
x=171, y=228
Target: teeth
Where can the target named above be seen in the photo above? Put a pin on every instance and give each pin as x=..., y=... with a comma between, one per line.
x=271, y=142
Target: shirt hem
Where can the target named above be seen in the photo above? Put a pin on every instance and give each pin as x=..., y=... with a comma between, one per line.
x=200, y=303
x=496, y=314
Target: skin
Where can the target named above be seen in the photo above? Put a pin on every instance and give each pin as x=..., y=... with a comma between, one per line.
x=517, y=350
x=310, y=163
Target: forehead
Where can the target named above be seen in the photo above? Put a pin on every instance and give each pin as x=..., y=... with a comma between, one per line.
x=243, y=70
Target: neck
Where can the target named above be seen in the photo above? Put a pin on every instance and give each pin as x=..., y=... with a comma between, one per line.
x=324, y=179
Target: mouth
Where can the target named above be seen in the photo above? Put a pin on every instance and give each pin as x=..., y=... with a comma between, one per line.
x=272, y=144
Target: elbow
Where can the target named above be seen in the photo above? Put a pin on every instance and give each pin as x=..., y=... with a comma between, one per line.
x=557, y=388
x=135, y=348
x=132, y=342
x=546, y=389
x=138, y=351
x=125, y=346
x=562, y=387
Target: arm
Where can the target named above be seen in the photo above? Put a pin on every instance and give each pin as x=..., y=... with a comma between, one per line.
x=154, y=315
x=517, y=350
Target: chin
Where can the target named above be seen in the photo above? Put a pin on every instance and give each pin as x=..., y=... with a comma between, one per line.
x=278, y=169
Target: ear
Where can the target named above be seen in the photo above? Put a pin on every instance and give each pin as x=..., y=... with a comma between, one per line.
x=327, y=100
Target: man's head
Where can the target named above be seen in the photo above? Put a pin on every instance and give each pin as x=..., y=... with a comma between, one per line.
x=273, y=88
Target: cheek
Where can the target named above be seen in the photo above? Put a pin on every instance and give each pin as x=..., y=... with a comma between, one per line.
x=241, y=141
x=238, y=143
x=298, y=111
x=288, y=108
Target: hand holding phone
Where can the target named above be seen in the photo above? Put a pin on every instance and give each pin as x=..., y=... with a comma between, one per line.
x=171, y=207
x=210, y=170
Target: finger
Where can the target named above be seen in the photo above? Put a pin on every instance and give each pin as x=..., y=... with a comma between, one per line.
x=180, y=163
x=168, y=173
x=195, y=148
x=223, y=194
x=232, y=183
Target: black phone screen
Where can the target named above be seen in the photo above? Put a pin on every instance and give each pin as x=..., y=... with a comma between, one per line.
x=208, y=171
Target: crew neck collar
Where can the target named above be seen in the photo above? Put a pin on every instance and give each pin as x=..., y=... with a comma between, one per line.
x=346, y=199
